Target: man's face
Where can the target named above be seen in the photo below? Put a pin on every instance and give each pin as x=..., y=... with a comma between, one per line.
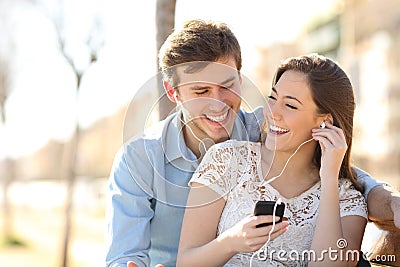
x=210, y=99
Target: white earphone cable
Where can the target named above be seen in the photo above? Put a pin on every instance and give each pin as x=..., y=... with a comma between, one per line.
x=287, y=162
x=264, y=247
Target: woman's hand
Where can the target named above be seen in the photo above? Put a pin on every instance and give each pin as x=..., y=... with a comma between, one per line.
x=245, y=237
x=333, y=148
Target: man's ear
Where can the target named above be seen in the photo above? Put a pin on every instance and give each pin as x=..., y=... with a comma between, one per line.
x=171, y=92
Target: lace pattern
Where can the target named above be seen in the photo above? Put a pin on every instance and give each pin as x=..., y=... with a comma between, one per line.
x=232, y=170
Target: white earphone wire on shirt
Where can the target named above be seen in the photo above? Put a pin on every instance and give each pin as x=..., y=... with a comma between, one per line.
x=287, y=162
x=264, y=183
x=264, y=247
x=202, y=144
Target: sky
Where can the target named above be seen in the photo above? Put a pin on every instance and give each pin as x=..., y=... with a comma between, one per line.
x=43, y=103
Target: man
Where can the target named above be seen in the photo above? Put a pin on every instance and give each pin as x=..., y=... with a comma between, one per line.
x=148, y=182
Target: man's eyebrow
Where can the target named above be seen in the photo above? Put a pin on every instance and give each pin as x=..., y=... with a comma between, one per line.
x=288, y=96
x=228, y=80
x=206, y=86
x=199, y=87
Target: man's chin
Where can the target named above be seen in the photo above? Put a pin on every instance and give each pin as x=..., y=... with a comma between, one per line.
x=219, y=139
x=217, y=134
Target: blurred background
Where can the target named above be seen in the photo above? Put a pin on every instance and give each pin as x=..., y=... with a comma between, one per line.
x=70, y=70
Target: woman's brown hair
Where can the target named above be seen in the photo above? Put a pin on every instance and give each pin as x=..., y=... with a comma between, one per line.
x=333, y=94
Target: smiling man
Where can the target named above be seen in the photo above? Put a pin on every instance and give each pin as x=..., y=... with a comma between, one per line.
x=208, y=94
x=149, y=180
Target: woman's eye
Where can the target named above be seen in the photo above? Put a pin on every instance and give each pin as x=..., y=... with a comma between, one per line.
x=271, y=97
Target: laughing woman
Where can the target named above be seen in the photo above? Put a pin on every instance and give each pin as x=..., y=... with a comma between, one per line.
x=303, y=160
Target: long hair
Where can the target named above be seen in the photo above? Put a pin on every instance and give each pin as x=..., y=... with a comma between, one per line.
x=333, y=94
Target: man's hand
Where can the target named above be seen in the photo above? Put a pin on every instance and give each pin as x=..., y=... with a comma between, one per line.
x=384, y=205
x=395, y=205
x=132, y=264
x=384, y=211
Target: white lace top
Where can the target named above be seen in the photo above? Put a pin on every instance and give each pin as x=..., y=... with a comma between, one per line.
x=232, y=169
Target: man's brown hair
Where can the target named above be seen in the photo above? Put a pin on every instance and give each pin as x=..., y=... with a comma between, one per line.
x=199, y=40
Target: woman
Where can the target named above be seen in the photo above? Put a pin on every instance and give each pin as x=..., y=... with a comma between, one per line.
x=304, y=165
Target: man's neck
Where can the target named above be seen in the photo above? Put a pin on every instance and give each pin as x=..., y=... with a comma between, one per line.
x=193, y=142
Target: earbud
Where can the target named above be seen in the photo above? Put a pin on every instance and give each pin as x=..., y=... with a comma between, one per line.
x=174, y=96
x=322, y=125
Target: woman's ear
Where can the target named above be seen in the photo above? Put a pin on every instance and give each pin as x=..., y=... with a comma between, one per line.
x=329, y=119
x=171, y=92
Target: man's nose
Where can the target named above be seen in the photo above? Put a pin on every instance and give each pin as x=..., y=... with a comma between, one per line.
x=217, y=102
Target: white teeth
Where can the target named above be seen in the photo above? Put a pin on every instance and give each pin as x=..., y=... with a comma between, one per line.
x=278, y=129
x=217, y=118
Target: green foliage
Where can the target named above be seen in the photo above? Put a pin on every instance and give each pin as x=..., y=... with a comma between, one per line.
x=13, y=241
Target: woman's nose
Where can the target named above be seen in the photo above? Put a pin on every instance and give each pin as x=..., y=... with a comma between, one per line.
x=275, y=111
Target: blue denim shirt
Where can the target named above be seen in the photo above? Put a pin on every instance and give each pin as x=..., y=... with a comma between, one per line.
x=148, y=189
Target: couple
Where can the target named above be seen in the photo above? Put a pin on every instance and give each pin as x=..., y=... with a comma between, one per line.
x=148, y=183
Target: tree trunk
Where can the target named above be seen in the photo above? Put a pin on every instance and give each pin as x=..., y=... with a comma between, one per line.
x=8, y=175
x=70, y=158
x=70, y=171
x=7, y=172
x=165, y=22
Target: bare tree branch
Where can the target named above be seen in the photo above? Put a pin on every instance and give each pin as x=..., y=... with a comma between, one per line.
x=4, y=88
x=165, y=22
x=7, y=168
x=94, y=43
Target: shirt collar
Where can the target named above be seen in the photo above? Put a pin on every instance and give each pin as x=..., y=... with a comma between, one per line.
x=173, y=141
x=239, y=131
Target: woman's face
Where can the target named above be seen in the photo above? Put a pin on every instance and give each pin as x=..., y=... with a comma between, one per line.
x=290, y=113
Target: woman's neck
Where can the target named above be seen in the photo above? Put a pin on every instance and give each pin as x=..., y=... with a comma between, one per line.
x=289, y=166
x=290, y=175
